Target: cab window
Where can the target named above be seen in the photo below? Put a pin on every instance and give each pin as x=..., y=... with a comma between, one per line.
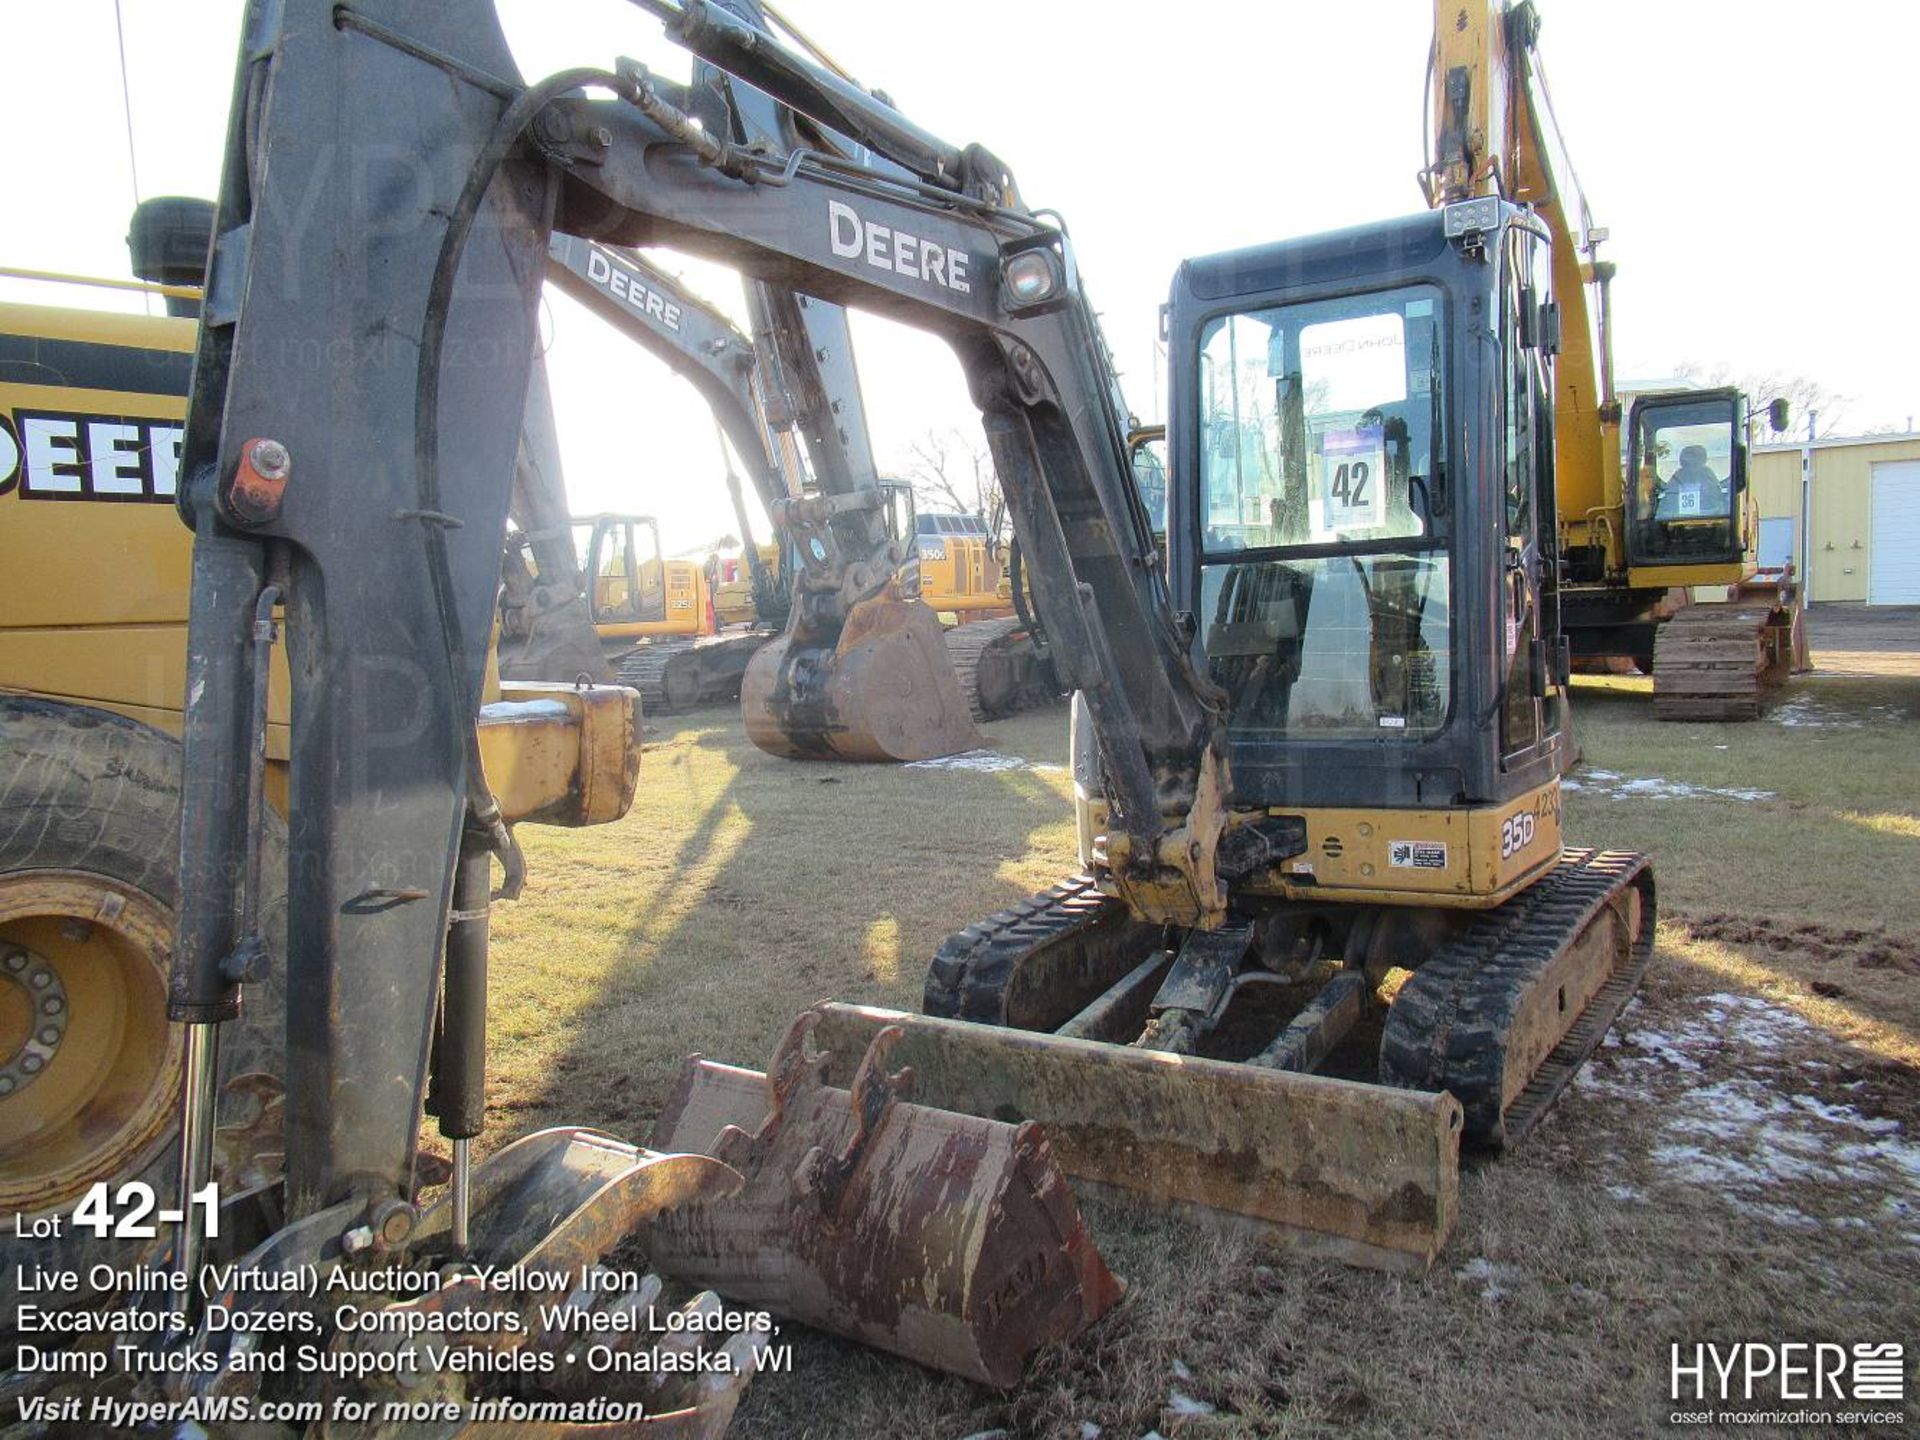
x=1685, y=481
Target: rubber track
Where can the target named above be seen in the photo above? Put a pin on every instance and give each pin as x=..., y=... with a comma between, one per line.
x=1447, y=1027
x=966, y=644
x=972, y=969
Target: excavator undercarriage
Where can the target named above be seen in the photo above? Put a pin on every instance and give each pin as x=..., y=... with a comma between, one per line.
x=1000, y=667
x=1722, y=660
x=675, y=675
x=1497, y=1007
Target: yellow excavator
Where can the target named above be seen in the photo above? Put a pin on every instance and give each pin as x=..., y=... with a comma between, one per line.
x=992, y=638
x=658, y=618
x=1635, y=538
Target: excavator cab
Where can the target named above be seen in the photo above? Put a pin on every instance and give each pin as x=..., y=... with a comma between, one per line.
x=1687, y=456
x=902, y=521
x=633, y=589
x=1365, y=418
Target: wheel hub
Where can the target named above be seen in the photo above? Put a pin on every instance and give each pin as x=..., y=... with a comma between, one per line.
x=33, y=1017
x=89, y=1066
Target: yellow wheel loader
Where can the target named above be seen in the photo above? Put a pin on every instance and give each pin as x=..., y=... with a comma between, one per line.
x=94, y=574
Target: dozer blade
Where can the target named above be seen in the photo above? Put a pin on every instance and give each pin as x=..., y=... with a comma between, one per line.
x=946, y=1238
x=886, y=691
x=1355, y=1172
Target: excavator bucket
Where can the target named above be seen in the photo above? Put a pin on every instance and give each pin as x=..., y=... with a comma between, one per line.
x=527, y=1284
x=1365, y=1174
x=886, y=691
x=947, y=1238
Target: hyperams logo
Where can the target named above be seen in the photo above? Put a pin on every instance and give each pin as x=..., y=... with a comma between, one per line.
x=1851, y=1385
x=53, y=455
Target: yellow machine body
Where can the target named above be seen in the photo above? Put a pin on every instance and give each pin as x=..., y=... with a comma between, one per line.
x=637, y=593
x=962, y=570
x=731, y=584
x=94, y=565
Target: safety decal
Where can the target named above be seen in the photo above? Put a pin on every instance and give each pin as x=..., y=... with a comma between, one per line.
x=1417, y=854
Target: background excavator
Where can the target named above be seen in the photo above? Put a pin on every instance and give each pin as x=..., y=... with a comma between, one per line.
x=1328, y=922
x=663, y=633
x=799, y=423
x=1633, y=541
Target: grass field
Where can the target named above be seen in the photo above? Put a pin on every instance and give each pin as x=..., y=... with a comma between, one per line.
x=1741, y=1160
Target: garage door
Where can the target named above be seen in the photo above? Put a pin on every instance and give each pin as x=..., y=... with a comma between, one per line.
x=1896, y=534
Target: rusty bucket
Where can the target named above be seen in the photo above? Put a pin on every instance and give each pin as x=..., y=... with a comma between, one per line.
x=946, y=1238
x=884, y=691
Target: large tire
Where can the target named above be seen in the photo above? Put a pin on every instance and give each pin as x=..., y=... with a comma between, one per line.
x=89, y=858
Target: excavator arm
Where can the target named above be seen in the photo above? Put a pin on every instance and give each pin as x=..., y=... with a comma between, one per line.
x=386, y=525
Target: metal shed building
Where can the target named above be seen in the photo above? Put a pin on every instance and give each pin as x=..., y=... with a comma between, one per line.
x=1863, y=495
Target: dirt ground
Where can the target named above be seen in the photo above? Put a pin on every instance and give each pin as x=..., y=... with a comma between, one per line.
x=1740, y=1161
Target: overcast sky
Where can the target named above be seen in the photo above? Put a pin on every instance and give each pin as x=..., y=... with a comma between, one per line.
x=1754, y=161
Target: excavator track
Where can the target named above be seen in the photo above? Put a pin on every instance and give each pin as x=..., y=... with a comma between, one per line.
x=1485, y=1016
x=1034, y=965
x=1502, y=1016
x=1718, y=661
x=680, y=674
x=1001, y=670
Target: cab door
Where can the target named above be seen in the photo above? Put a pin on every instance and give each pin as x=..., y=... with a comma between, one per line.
x=1530, y=622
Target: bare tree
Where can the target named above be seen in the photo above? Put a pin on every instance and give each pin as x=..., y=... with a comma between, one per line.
x=1804, y=396
x=949, y=471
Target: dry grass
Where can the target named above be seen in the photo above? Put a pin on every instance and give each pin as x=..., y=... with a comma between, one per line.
x=739, y=890
x=742, y=888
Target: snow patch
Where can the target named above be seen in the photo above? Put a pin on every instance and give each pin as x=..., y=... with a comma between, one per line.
x=1803, y=712
x=1655, y=787
x=1755, y=1131
x=982, y=762
x=1489, y=1274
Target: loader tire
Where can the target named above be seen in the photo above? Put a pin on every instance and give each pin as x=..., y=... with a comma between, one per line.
x=89, y=1066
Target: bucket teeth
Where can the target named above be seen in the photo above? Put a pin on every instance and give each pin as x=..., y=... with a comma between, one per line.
x=950, y=1239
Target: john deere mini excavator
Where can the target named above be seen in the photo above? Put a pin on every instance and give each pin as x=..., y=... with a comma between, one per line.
x=1632, y=544
x=93, y=681
x=1324, y=750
